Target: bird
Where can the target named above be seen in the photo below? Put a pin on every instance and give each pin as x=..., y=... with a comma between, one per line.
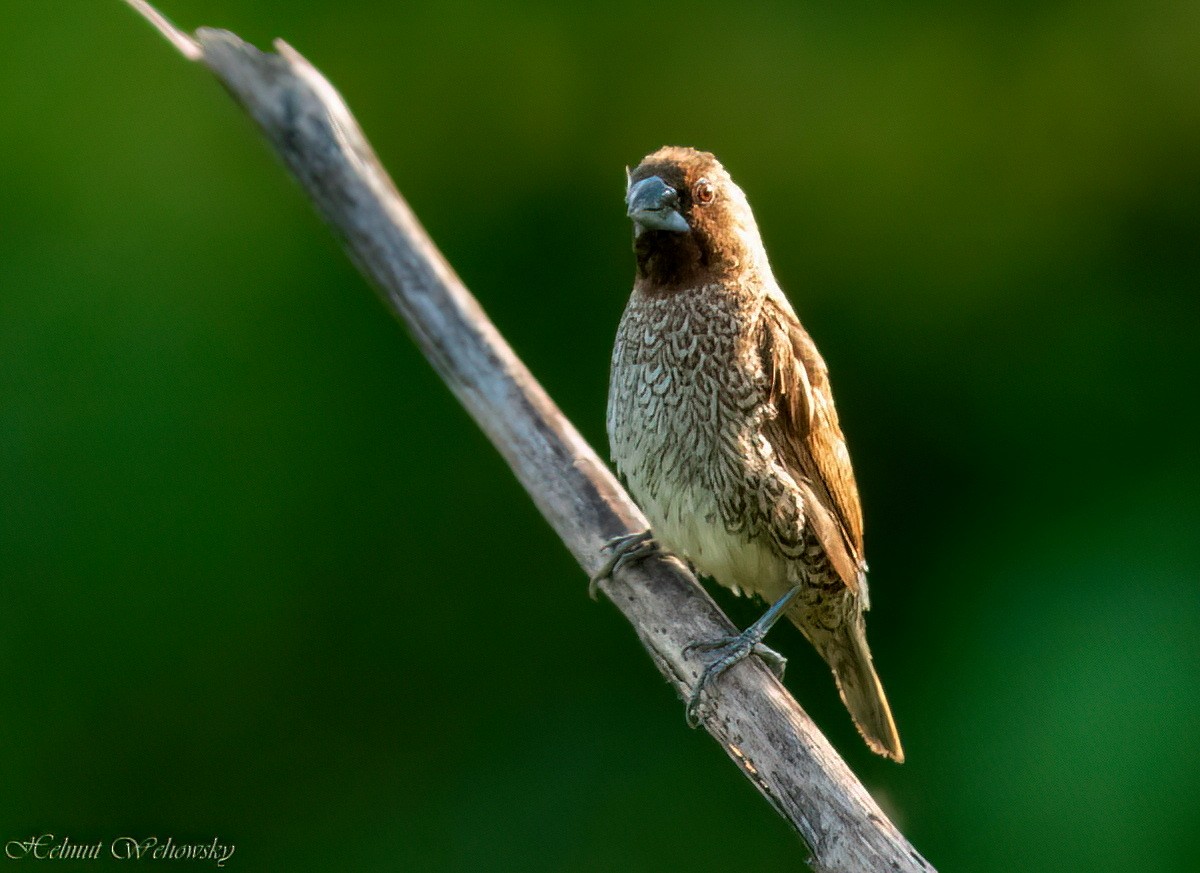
x=722, y=424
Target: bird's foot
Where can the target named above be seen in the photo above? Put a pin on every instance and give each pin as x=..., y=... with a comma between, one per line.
x=727, y=652
x=622, y=551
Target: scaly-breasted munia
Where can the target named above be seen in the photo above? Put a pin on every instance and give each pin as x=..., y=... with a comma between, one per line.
x=722, y=423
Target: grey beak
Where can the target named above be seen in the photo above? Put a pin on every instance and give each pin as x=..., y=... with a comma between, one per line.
x=654, y=205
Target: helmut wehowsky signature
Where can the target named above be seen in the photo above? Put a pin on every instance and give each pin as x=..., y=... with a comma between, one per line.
x=48, y=847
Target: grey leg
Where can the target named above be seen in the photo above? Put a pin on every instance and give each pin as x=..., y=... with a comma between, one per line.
x=729, y=650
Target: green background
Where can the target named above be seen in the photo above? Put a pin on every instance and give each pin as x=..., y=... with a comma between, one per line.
x=261, y=578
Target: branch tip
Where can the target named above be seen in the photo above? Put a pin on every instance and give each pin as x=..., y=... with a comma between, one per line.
x=187, y=46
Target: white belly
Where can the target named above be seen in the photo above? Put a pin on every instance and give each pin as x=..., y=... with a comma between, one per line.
x=686, y=524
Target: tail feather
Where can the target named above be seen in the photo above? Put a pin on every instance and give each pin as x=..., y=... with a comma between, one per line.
x=846, y=651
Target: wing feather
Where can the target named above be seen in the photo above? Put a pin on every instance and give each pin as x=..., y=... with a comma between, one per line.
x=808, y=440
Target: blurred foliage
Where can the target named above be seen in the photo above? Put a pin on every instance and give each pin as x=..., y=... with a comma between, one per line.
x=261, y=578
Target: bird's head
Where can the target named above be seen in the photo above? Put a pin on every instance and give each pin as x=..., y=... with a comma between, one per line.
x=691, y=223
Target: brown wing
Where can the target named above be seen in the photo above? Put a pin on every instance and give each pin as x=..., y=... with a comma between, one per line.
x=807, y=439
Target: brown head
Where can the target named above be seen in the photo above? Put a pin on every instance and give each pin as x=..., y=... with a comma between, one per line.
x=692, y=224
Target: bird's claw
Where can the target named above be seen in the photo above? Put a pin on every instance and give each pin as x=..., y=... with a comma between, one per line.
x=730, y=650
x=622, y=550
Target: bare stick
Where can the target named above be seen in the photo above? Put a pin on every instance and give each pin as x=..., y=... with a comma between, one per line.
x=753, y=718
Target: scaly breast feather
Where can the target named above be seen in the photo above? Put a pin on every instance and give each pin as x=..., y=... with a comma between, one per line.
x=684, y=417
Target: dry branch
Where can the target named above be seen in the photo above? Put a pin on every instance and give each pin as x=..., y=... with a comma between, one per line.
x=754, y=719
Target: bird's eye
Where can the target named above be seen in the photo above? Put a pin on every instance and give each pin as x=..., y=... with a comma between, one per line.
x=704, y=193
